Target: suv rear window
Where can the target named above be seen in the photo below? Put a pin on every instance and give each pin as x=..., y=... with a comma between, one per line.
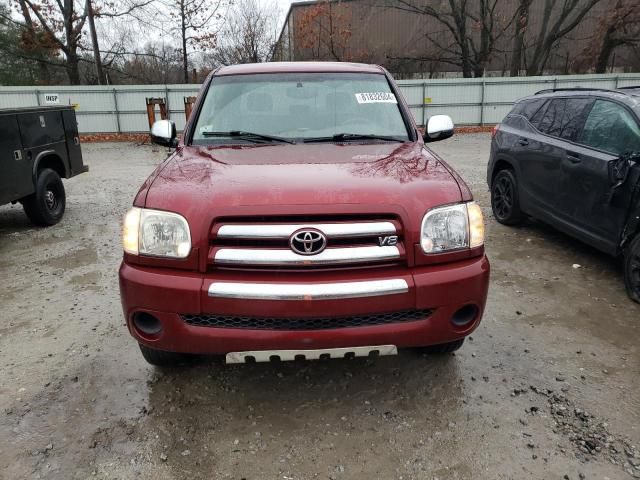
x=562, y=117
x=528, y=108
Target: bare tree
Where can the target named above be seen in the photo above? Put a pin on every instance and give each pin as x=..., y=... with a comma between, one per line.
x=559, y=18
x=94, y=43
x=154, y=64
x=62, y=24
x=324, y=29
x=124, y=10
x=620, y=26
x=248, y=35
x=521, y=25
x=469, y=34
x=195, y=21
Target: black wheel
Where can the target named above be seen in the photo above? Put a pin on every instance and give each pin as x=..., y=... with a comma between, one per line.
x=442, y=348
x=46, y=206
x=632, y=269
x=160, y=358
x=504, y=198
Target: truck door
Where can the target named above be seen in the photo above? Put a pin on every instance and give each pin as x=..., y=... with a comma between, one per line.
x=610, y=130
x=73, y=141
x=15, y=171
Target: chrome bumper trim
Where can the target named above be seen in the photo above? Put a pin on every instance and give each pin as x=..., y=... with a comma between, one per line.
x=264, y=256
x=288, y=355
x=284, y=231
x=307, y=291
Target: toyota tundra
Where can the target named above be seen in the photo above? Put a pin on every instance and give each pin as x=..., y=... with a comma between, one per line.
x=302, y=216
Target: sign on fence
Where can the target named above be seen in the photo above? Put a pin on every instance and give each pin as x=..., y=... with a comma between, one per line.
x=51, y=98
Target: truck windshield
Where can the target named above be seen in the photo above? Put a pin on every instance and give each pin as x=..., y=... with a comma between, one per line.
x=267, y=108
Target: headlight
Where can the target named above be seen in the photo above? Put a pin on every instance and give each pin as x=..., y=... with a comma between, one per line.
x=452, y=228
x=156, y=233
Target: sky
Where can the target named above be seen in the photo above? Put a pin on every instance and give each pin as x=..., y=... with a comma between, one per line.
x=283, y=6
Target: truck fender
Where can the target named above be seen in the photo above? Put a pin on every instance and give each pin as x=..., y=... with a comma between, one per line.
x=49, y=159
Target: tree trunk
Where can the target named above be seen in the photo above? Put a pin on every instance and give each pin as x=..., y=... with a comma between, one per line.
x=95, y=45
x=73, y=68
x=465, y=51
x=183, y=31
x=606, y=49
x=518, y=39
x=42, y=66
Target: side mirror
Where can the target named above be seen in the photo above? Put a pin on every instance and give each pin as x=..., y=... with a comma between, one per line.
x=163, y=132
x=438, y=128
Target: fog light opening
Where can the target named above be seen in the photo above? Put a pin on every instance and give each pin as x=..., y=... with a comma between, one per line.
x=147, y=323
x=465, y=315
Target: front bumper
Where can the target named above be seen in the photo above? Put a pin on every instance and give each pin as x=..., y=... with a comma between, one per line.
x=168, y=294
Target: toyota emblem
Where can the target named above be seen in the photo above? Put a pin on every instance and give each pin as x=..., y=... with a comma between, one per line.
x=308, y=242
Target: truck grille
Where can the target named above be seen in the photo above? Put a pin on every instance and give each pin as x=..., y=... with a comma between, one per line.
x=318, y=323
x=271, y=242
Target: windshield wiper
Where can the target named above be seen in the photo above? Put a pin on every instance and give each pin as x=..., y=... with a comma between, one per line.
x=248, y=136
x=345, y=137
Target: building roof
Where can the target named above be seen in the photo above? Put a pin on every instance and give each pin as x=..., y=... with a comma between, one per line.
x=298, y=67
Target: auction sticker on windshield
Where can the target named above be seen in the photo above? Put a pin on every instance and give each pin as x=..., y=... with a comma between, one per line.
x=376, y=97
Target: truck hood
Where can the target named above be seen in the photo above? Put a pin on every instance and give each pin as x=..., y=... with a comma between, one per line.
x=403, y=179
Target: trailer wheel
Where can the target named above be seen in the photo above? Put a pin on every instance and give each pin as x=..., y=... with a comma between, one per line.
x=46, y=206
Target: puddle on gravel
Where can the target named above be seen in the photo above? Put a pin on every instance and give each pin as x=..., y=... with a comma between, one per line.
x=74, y=258
x=87, y=280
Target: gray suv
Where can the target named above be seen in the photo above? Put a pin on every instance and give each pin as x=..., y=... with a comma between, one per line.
x=571, y=158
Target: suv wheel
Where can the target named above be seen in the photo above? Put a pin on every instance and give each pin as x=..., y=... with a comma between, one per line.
x=442, y=348
x=160, y=358
x=46, y=206
x=504, y=198
x=632, y=269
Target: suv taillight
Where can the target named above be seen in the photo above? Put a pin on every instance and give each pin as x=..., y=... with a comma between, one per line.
x=495, y=130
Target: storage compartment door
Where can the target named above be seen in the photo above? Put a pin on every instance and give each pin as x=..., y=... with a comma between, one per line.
x=15, y=170
x=73, y=141
x=40, y=128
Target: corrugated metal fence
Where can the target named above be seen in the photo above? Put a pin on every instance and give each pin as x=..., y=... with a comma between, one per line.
x=469, y=101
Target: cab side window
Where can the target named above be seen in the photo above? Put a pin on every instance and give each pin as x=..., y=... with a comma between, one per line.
x=612, y=128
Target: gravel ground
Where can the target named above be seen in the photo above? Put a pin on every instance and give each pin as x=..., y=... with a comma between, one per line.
x=547, y=387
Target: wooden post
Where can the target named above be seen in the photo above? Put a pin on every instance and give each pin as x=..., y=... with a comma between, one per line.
x=151, y=109
x=188, y=106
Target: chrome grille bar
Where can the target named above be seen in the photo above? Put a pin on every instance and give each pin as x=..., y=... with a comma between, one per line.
x=330, y=256
x=284, y=231
x=307, y=291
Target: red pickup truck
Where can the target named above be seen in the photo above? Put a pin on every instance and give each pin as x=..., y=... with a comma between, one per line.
x=302, y=216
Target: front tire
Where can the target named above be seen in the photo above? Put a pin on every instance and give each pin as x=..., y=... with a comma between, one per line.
x=46, y=206
x=632, y=269
x=160, y=358
x=505, y=198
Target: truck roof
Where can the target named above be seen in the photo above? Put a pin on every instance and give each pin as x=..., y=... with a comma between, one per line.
x=5, y=111
x=298, y=67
